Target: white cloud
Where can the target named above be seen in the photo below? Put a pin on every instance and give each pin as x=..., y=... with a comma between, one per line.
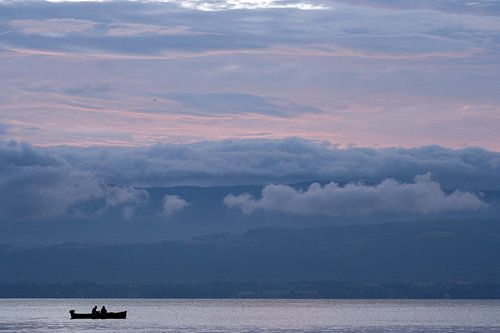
x=173, y=204
x=423, y=196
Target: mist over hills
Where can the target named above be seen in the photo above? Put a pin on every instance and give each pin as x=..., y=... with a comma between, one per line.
x=207, y=213
x=423, y=252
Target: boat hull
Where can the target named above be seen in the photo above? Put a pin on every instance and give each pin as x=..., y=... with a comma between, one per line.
x=109, y=315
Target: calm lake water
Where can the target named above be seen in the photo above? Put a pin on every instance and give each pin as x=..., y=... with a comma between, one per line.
x=146, y=315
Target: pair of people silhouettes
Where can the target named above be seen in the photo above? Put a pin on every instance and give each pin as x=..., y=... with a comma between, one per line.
x=102, y=312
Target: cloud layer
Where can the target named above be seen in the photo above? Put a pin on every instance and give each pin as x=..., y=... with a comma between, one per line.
x=424, y=196
x=236, y=162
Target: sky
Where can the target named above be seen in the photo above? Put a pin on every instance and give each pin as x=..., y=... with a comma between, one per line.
x=337, y=109
x=374, y=73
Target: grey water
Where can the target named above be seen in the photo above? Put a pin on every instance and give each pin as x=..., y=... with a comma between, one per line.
x=195, y=315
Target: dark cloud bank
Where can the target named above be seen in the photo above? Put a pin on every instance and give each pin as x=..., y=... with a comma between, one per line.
x=37, y=184
x=239, y=162
x=44, y=183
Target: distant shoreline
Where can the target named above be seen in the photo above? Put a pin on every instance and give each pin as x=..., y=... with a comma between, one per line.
x=255, y=290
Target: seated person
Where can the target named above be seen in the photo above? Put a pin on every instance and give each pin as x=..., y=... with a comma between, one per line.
x=94, y=311
x=103, y=310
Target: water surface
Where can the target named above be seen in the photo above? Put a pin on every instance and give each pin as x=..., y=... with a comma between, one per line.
x=348, y=316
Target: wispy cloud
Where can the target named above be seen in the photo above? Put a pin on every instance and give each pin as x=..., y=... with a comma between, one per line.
x=3, y=129
x=54, y=27
x=138, y=29
x=239, y=103
x=483, y=7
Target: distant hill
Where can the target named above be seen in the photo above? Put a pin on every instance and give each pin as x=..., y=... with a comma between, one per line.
x=418, y=252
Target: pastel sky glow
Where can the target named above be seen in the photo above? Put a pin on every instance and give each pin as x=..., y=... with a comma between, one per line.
x=354, y=73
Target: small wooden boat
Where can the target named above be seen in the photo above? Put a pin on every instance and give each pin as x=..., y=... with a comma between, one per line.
x=108, y=315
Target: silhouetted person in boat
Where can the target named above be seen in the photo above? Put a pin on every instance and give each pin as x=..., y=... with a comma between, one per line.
x=103, y=310
x=94, y=311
